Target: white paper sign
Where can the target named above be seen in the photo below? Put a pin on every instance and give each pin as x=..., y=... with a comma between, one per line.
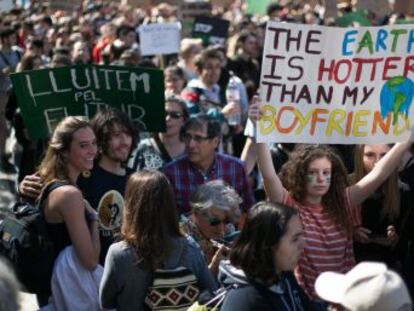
x=159, y=39
x=337, y=85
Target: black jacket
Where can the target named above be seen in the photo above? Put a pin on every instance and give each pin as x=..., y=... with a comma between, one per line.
x=286, y=295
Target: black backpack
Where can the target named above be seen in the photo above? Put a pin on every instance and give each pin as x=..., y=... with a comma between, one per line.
x=25, y=241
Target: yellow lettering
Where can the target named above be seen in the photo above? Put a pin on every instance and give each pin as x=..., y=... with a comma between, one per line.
x=359, y=121
x=302, y=120
x=334, y=122
x=267, y=121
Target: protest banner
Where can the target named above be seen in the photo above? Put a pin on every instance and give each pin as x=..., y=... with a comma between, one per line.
x=46, y=96
x=64, y=5
x=211, y=30
x=6, y=5
x=188, y=10
x=160, y=38
x=337, y=85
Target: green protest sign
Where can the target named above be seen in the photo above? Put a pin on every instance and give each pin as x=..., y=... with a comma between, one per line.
x=48, y=95
x=257, y=6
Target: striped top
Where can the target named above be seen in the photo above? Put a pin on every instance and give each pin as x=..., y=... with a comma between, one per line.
x=327, y=246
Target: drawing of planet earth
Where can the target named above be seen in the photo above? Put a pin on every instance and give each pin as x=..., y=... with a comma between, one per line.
x=396, y=97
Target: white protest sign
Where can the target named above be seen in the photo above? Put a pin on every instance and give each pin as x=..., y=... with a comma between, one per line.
x=337, y=85
x=159, y=39
x=6, y=5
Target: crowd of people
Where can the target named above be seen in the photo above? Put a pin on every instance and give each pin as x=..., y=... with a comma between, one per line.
x=201, y=204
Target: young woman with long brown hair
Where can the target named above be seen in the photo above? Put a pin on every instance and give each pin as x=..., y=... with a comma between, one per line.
x=71, y=150
x=381, y=236
x=150, y=239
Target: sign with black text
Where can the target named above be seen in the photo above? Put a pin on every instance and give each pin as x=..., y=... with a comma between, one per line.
x=211, y=30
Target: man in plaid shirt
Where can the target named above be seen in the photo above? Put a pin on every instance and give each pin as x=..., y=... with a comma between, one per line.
x=202, y=163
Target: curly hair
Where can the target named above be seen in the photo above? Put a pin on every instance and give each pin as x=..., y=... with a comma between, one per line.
x=294, y=171
x=103, y=123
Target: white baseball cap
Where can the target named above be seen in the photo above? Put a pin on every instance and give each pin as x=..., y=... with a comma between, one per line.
x=369, y=286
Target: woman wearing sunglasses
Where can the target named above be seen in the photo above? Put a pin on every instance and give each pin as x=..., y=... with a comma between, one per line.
x=162, y=148
x=214, y=211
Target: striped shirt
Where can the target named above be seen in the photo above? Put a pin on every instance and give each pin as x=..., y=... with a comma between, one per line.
x=327, y=246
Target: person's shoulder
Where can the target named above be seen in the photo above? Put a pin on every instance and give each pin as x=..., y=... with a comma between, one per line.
x=229, y=159
x=191, y=243
x=65, y=190
x=120, y=251
x=176, y=164
x=194, y=83
x=244, y=298
x=145, y=143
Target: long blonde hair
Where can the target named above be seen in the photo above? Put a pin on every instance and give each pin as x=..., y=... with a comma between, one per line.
x=54, y=165
x=391, y=193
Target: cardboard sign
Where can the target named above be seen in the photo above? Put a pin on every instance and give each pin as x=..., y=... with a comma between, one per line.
x=160, y=39
x=46, y=96
x=65, y=5
x=6, y=5
x=211, y=30
x=337, y=85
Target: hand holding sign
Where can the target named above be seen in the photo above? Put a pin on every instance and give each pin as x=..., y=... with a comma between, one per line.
x=255, y=112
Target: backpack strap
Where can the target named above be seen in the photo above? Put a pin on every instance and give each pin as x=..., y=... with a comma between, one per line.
x=163, y=151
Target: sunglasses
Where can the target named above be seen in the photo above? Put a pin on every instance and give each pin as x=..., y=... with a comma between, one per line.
x=173, y=114
x=186, y=137
x=214, y=221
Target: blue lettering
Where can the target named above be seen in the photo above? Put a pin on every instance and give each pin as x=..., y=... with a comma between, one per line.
x=348, y=39
x=381, y=37
x=410, y=41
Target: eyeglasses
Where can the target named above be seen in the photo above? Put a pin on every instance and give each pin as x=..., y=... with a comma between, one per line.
x=186, y=137
x=174, y=114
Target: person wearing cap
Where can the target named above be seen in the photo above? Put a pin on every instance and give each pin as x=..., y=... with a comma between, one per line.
x=369, y=286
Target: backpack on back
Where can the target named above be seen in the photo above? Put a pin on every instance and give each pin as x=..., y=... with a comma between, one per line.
x=25, y=241
x=172, y=289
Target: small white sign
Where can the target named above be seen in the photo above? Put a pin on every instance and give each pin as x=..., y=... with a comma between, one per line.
x=160, y=39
